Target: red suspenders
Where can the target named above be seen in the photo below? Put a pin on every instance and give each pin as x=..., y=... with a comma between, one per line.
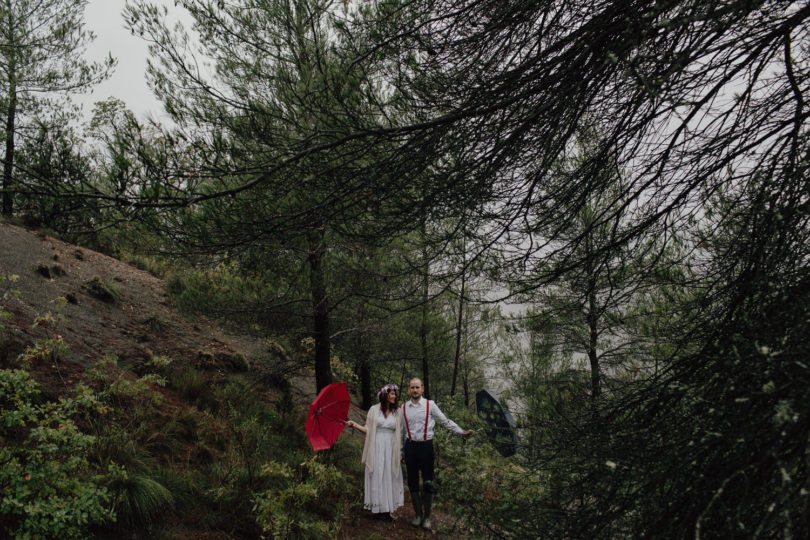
x=427, y=415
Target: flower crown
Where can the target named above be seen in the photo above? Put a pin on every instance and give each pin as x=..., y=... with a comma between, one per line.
x=388, y=387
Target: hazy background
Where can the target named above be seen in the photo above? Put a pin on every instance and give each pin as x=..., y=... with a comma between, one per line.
x=127, y=83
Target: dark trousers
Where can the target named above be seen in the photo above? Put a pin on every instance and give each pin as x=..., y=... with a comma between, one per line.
x=419, y=458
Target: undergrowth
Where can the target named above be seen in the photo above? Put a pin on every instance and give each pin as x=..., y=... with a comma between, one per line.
x=136, y=456
x=222, y=291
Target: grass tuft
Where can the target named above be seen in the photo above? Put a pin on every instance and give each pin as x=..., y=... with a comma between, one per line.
x=44, y=270
x=156, y=324
x=141, y=502
x=101, y=290
x=191, y=383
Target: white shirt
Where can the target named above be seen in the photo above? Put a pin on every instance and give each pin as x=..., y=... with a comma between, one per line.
x=415, y=415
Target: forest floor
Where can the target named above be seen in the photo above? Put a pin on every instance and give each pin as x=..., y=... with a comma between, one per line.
x=137, y=323
x=368, y=526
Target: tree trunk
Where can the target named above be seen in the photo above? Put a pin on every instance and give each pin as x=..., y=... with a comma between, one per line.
x=423, y=330
x=320, y=305
x=8, y=162
x=365, y=382
x=363, y=360
x=593, y=357
x=458, y=333
x=465, y=372
x=465, y=386
x=593, y=329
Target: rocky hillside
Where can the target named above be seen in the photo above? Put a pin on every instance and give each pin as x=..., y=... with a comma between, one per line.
x=111, y=307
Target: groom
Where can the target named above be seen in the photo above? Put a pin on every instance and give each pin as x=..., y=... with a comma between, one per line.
x=419, y=416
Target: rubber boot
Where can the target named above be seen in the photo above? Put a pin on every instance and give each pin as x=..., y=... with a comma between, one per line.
x=417, y=507
x=427, y=501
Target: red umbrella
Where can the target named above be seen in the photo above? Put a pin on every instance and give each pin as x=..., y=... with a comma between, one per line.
x=328, y=415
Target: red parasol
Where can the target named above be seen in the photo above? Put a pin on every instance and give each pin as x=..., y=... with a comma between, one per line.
x=328, y=415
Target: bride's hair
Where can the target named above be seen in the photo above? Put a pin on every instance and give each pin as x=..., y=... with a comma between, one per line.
x=385, y=406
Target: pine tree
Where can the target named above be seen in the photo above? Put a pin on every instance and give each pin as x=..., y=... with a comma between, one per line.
x=41, y=42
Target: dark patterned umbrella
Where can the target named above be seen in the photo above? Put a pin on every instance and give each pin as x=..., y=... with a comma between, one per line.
x=500, y=426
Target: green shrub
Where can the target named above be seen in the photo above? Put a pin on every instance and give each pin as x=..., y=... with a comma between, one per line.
x=46, y=489
x=239, y=402
x=485, y=488
x=121, y=391
x=220, y=290
x=175, y=285
x=345, y=457
x=155, y=266
x=44, y=350
x=6, y=292
x=342, y=371
x=290, y=507
x=113, y=444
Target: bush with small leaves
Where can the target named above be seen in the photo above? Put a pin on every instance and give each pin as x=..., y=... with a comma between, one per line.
x=122, y=391
x=285, y=509
x=46, y=490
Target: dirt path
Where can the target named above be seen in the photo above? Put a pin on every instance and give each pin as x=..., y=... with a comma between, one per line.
x=363, y=525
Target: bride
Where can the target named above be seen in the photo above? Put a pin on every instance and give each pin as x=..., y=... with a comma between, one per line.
x=384, y=491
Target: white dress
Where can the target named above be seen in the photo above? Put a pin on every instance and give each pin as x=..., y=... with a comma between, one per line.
x=384, y=492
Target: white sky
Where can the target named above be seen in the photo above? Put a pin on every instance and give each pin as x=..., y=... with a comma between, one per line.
x=127, y=83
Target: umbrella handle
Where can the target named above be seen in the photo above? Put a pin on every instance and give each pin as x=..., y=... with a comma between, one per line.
x=321, y=413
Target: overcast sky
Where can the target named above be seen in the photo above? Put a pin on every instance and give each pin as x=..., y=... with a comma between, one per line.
x=128, y=84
